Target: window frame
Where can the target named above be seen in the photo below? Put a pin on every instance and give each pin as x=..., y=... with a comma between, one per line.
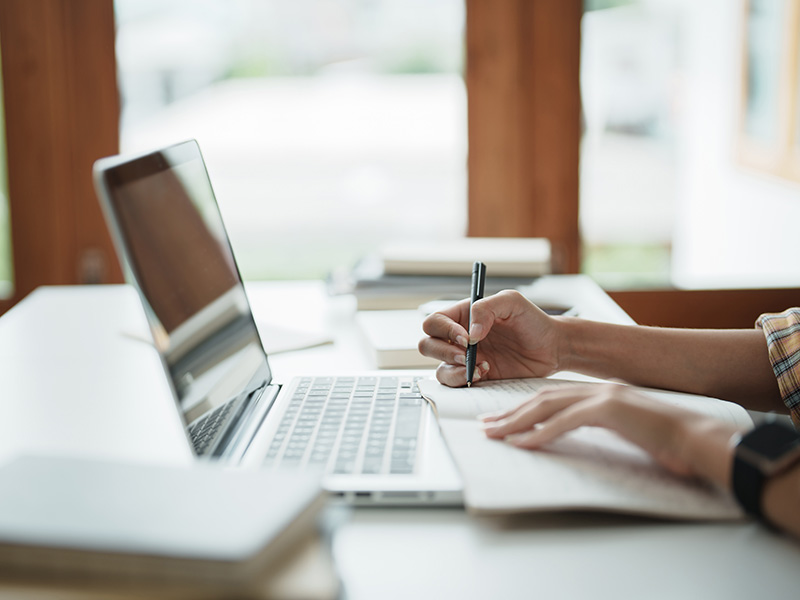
x=53, y=51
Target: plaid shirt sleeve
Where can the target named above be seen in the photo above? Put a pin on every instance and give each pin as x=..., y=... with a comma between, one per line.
x=782, y=331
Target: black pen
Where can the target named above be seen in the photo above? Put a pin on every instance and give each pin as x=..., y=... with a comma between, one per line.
x=476, y=293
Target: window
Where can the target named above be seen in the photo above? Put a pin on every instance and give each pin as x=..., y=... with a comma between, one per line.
x=328, y=126
x=630, y=55
x=686, y=104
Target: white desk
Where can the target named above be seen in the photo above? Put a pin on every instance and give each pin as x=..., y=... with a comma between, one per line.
x=76, y=380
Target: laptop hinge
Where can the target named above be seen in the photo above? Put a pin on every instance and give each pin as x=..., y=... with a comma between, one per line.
x=253, y=416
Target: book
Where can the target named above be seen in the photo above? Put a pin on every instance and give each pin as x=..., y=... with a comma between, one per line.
x=586, y=469
x=381, y=282
x=203, y=531
x=402, y=292
x=392, y=336
x=503, y=257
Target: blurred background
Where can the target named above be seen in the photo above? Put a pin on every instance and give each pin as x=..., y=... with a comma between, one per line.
x=331, y=126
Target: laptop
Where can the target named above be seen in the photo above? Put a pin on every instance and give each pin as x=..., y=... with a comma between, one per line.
x=372, y=435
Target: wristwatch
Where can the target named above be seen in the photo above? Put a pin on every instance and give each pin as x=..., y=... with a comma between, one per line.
x=761, y=453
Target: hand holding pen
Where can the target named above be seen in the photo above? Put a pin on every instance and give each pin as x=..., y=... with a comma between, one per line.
x=517, y=339
x=476, y=293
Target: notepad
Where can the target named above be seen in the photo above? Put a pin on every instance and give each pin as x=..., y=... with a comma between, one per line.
x=587, y=469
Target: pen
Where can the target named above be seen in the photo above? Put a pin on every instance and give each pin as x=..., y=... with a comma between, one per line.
x=476, y=293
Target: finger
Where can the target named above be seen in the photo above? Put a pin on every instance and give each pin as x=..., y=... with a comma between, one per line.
x=446, y=325
x=456, y=376
x=537, y=410
x=492, y=417
x=572, y=417
x=441, y=350
x=451, y=375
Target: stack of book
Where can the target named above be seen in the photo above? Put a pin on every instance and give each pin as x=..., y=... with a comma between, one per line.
x=404, y=276
x=81, y=528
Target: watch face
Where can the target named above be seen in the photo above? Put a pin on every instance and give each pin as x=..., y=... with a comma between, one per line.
x=770, y=448
x=772, y=441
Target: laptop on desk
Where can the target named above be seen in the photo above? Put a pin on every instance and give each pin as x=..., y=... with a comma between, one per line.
x=372, y=434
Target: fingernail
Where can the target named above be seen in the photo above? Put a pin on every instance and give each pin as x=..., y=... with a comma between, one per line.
x=476, y=375
x=461, y=359
x=461, y=341
x=484, y=366
x=475, y=332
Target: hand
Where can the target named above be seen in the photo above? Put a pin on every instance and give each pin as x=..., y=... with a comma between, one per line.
x=516, y=338
x=684, y=442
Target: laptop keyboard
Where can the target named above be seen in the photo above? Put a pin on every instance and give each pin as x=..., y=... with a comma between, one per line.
x=350, y=425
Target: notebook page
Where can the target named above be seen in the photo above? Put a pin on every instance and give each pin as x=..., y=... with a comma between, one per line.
x=504, y=394
x=589, y=468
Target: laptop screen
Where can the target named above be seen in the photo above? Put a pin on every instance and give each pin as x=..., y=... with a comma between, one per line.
x=169, y=229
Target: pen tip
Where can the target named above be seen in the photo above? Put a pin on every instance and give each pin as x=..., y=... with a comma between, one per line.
x=469, y=384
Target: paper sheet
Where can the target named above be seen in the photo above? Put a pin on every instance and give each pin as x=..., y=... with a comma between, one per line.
x=589, y=468
x=276, y=338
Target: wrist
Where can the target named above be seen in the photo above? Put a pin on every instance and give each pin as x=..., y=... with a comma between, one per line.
x=583, y=346
x=567, y=335
x=709, y=450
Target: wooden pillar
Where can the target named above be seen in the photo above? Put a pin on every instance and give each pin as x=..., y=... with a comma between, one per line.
x=62, y=113
x=522, y=75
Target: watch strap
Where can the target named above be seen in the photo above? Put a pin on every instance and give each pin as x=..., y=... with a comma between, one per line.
x=748, y=486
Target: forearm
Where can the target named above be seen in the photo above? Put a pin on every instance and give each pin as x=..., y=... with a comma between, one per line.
x=729, y=364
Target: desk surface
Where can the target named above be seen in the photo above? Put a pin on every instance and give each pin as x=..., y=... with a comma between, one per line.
x=79, y=378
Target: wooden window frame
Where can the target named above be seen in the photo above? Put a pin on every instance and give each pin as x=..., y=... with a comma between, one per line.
x=62, y=113
x=523, y=119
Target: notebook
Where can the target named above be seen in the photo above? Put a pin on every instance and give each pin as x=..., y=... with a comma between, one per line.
x=371, y=434
x=586, y=469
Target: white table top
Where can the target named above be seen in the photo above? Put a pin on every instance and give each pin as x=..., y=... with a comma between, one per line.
x=78, y=379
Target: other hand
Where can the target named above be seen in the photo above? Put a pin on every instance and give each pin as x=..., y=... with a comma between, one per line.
x=683, y=441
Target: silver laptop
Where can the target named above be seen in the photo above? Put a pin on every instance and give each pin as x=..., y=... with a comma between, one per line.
x=372, y=434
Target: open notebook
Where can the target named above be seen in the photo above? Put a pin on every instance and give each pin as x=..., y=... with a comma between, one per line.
x=587, y=469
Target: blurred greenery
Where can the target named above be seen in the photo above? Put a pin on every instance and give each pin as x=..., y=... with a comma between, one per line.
x=261, y=65
x=628, y=266
x=420, y=57
x=601, y=4
x=417, y=60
